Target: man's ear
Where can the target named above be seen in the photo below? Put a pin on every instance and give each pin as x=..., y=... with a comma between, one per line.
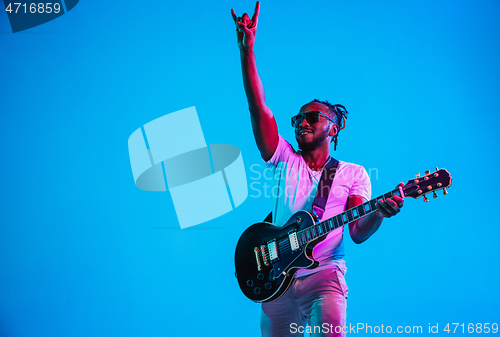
x=334, y=129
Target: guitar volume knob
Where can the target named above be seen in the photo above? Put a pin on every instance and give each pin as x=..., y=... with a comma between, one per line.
x=260, y=276
x=249, y=283
x=256, y=290
x=268, y=285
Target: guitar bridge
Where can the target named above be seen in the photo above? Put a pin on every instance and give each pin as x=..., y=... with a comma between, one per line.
x=256, y=251
x=264, y=255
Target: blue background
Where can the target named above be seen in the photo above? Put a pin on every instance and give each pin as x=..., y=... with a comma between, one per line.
x=83, y=252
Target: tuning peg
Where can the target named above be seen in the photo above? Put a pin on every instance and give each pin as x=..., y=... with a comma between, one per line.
x=445, y=192
x=417, y=175
x=437, y=168
x=434, y=195
x=425, y=199
x=427, y=172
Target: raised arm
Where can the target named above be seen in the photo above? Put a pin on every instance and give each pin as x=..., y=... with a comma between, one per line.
x=264, y=125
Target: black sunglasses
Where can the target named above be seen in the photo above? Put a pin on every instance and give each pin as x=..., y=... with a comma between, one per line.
x=310, y=116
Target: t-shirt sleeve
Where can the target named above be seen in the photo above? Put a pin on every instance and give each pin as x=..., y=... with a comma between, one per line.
x=362, y=185
x=282, y=153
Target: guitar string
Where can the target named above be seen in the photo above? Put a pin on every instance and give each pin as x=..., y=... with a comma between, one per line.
x=284, y=245
x=349, y=211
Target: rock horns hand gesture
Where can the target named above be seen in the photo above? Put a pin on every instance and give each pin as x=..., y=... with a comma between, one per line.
x=246, y=29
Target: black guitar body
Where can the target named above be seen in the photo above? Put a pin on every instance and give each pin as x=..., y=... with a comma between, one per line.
x=273, y=278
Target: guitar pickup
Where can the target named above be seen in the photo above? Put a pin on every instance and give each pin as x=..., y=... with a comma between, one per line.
x=294, y=242
x=272, y=248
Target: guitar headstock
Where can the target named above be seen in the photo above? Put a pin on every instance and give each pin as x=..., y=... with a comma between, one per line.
x=431, y=182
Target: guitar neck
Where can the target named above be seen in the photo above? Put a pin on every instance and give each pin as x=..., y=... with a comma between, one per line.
x=324, y=227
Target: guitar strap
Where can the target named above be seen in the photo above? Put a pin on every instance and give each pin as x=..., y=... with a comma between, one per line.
x=323, y=191
x=324, y=187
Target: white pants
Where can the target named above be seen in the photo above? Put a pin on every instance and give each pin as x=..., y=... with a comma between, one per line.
x=317, y=300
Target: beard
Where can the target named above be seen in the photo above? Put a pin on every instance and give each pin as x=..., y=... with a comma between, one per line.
x=314, y=144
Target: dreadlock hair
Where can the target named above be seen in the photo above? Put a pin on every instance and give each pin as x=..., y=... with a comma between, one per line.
x=340, y=114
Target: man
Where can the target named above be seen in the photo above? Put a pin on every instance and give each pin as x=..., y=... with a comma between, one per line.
x=317, y=297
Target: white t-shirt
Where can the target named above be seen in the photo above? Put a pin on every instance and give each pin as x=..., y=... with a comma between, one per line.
x=293, y=189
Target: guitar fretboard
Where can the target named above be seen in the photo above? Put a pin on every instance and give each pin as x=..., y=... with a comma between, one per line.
x=324, y=227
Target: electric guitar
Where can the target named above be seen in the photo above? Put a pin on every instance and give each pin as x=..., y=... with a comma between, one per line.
x=268, y=256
